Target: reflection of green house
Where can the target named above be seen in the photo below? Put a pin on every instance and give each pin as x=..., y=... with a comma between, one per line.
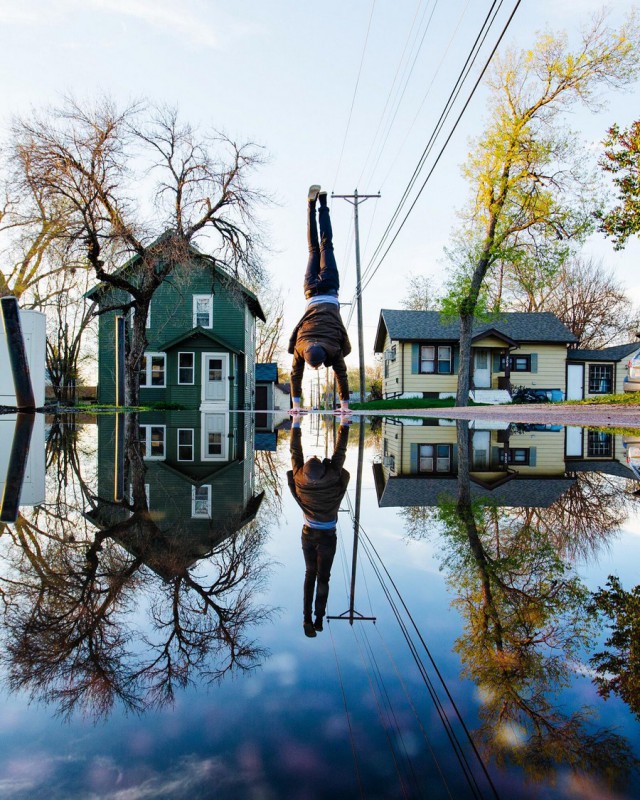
x=201, y=339
x=198, y=482
x=516, y=466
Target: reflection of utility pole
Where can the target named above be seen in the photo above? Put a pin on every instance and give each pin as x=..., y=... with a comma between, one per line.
x=351, y=614
x=354, y=199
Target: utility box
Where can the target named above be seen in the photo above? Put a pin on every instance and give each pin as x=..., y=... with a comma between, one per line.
x=34, y=333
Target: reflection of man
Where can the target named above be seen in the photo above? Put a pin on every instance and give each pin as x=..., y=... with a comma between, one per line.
x=320, y=337
x=318, y=487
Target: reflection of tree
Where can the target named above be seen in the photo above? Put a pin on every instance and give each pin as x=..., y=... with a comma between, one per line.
x=618, y=666
x=581, y=521
x=269, y=466
x=526, y=621
x=72, y=603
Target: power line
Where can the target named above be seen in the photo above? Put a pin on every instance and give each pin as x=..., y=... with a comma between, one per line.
x=355, y=92
x=404, y=89
x=464, y=108
x=453, y=96
x=392, y=87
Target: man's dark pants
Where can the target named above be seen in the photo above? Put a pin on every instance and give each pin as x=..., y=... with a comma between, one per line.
x=321, y=276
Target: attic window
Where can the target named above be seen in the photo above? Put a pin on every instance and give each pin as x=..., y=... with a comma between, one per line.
x=203, y=310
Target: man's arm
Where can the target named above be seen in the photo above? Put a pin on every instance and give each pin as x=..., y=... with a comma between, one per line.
x=340, y=369
x=295, y=448
x=293, y=339
x=340, y=453
x=297, y=370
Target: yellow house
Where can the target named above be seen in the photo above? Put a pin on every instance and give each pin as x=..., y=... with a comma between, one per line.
x=421, y=353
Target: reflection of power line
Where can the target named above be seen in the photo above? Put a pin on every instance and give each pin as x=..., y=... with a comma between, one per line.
x=388, y=584
x=351, y=614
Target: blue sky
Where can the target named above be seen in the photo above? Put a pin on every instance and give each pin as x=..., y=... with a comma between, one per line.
x=283, y=74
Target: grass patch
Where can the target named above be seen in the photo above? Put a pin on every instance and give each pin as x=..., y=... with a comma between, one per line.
x=624, y=399
x=411, y=402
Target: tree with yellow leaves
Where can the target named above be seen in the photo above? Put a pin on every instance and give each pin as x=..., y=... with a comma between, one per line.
x=530, y=191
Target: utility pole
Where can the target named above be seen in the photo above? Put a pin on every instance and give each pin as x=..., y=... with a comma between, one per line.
x=354, y=199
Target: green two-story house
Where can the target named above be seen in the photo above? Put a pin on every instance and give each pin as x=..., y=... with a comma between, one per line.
x=201, y=332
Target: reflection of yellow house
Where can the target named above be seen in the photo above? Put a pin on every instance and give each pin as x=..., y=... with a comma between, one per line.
x=516, y=465
x=601, y=451
x=519, y=465
x=421, y=353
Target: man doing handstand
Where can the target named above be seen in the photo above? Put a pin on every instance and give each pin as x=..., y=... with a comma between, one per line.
x=320, y=337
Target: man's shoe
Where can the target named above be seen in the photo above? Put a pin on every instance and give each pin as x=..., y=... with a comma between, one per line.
x=314, y=190
x=323, y=198
x=309, y=630
x=318, y=624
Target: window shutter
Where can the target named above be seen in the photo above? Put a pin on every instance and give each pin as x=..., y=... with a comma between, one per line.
x=534, y=362
x=454, y=458
x=456, y=360
x=496, y=361
x=413, y=462
x=496, y=456
x=415, y=358
x=532, y=456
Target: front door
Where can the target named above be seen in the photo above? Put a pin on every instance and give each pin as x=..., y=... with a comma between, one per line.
x=575, y=381
x=215, y=379
x=480, y=450
x=481, y=369
x=215, y=437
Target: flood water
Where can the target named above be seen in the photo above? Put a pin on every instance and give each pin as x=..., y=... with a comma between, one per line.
x=163, y=633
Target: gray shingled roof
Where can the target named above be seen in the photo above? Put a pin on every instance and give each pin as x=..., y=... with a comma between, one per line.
x=519, y=492
x=606, y=354
x=429, y=326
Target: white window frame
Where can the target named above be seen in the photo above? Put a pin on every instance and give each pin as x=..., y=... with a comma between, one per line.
x=193, y=443
x=148, y=356
x=197, y=297
x=195, y=515
x=193, y=368
x=147, y=442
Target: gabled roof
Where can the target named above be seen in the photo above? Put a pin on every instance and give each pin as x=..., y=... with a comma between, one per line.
x=430, y=326
x=199, y=331
x=129, y=267
x=616, y=353
x=267, y=372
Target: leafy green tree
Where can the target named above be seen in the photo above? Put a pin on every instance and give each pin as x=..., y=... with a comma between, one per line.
x=622, y=161
x=530, y=192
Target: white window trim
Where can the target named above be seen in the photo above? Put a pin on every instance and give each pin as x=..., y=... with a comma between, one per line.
x=193, y=368
x=147, y=443
x=147, y=384
x=193, y=444
x=193, y=502
x=197, y=297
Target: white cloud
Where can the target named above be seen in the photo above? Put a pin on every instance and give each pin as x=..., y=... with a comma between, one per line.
x=197, y=22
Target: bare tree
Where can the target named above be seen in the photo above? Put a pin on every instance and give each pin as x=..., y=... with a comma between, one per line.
x=580, y=291
x=269, y=333
x=138, y=183
x=421, y=294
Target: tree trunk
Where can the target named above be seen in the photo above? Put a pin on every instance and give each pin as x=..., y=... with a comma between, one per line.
x=135, y=353
x=464, y=367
